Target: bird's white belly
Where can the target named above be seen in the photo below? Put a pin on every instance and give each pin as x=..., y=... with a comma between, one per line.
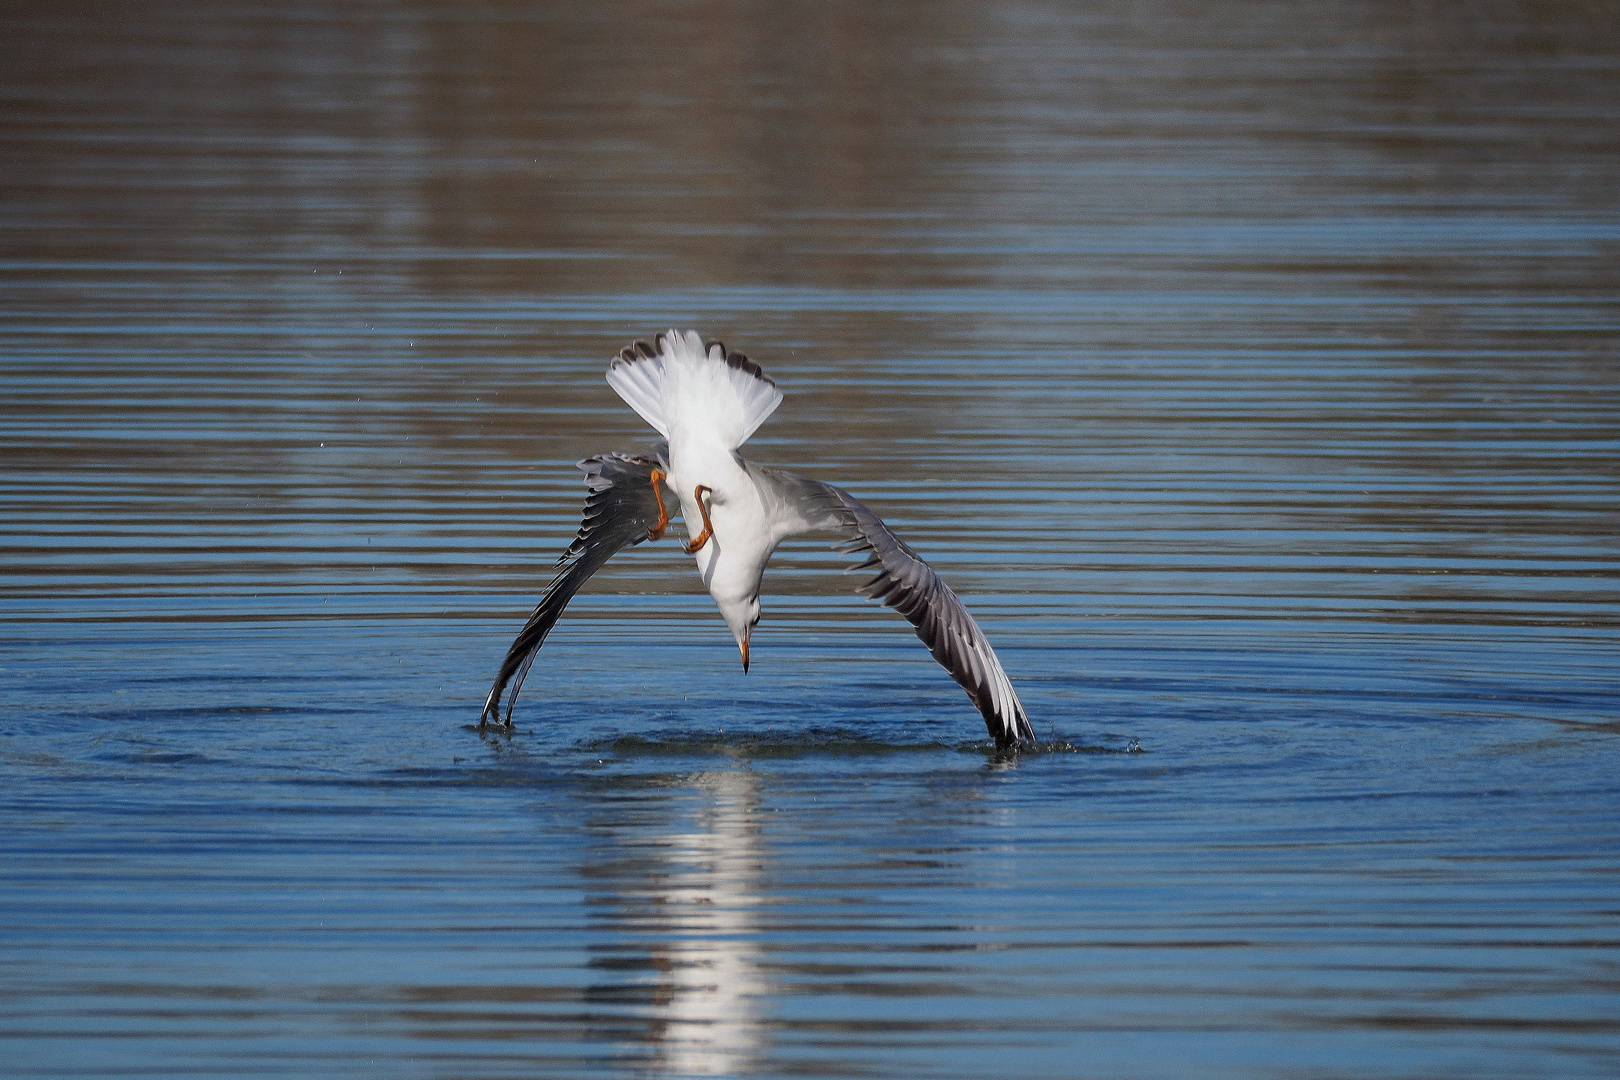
x=732, y=561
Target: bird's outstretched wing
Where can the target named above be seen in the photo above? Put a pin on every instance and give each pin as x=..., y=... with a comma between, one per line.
x=621, y=510
x=909, y=585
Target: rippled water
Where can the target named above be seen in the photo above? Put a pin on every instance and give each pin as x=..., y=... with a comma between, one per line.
x=1250, y=371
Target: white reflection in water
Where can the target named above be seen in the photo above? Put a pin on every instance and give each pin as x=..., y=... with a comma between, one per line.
x=707, y=1012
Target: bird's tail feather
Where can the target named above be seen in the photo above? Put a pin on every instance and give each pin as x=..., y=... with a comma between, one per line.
x=681, y=384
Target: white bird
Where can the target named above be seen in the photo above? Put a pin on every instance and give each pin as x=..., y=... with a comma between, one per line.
x=706, y=402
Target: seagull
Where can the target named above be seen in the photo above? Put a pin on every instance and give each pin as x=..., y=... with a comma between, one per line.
x=706, y=401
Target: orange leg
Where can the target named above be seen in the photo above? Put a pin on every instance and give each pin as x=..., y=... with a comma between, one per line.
x=657, y=531
x=708, y=529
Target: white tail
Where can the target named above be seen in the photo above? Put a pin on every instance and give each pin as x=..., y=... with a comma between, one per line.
x=678, y=384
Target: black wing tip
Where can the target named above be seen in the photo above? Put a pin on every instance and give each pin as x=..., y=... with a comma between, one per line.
x=491, y=716
x=713, y=348
x=1010, y=730
x=1020, y=737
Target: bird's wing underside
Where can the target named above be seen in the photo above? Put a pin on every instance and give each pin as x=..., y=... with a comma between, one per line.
x=620, y=511
x=909, y=585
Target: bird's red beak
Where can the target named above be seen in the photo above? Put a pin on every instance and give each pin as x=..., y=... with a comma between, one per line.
x=743, y=645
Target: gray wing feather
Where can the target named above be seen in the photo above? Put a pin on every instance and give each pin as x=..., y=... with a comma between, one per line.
x=619, y=512
x=910, y=586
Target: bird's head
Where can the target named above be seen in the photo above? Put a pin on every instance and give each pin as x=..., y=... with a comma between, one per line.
x=742, y=615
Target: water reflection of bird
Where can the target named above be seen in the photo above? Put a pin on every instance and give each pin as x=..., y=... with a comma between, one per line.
x=706, y=402
x=705, y=919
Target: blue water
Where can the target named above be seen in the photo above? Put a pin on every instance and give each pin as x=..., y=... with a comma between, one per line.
x=1250, y=373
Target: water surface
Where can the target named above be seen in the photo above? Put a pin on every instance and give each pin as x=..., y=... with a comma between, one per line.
x=1251, y=373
